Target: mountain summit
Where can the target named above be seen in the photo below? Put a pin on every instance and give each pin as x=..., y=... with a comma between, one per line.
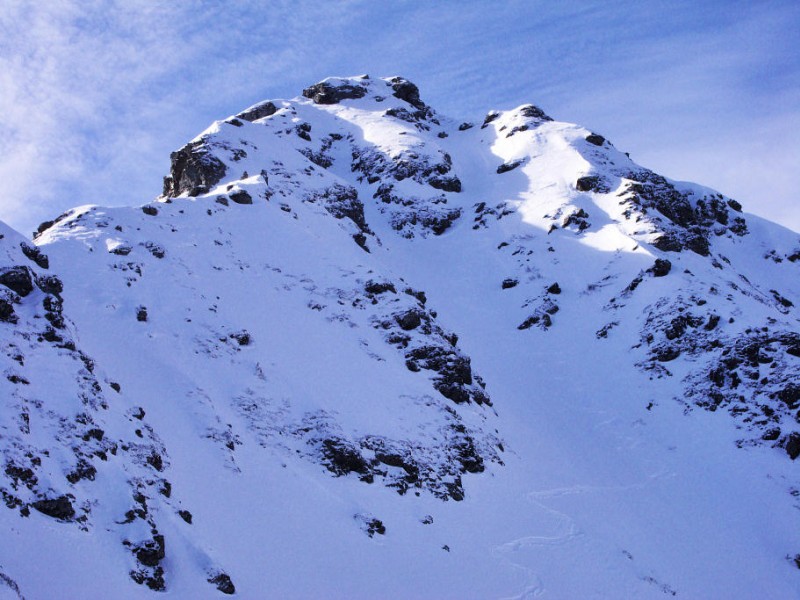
x=359, y=349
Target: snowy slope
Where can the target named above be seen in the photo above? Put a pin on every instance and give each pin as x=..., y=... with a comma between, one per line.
x=358, y=349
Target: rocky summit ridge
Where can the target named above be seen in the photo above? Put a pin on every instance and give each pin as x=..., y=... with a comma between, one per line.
x=354, y=334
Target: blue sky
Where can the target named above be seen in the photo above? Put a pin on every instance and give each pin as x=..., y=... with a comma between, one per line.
x=94, y=95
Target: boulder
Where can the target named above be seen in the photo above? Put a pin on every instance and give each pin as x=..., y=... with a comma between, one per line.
x=194, y=170
x=596, y=139
x=509, y=283
x=241, y=197
x=223, y=583
x=660, y=268
x=258, y=111
x=17, y=279
x=793, y=445
x=509, y=166
x=407, y=91
x=58, y=508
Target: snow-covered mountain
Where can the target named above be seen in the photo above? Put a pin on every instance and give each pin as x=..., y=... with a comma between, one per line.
x=358, y=349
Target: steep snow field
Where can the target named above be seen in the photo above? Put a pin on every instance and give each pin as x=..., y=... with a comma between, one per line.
x=359, y=350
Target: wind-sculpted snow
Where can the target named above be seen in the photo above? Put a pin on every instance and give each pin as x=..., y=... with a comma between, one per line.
x=353, y=333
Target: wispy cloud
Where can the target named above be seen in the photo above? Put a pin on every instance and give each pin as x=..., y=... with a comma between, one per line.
x=95, y=94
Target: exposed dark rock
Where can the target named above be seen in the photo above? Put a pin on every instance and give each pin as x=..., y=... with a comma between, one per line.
x=465, y=126
x=534, y=112
x=433, y=169
x=738, y=226
x=789, y=395
x=194, y=170
x=121, y=250
x=781, y=300
x=43, y=226
x=328, y=93
x=150, y=210
x=678, y=325
x=155, y=460
x=735, y=205
x=223, y=583
x=50, y=284
x=698, y=244
x=418, y=294
x=186, y=516
x=258, y=111
x=407, y=91
x=155, y=249
x=578, y=218
x=596, y=139
x=687, y=226
x=490, y=116
x=151, y=552
x=7, y=312
x=409, y=320
x=517, y=129
x=537, y=319
x=94, y=434
x=660, y=268
x=713, y=321
x=771, y=434
x=342, y=458
x=141, y=314
x=241, y=337
x=83, y=470
x=509, y=283
x=152, y=578
x=468, y=455
x=454, y=373
x=21, y=474
x=342, y=201
x=666, y=353
x=510, y=165
x=33, y=253
x=449, y=183
x=303, y=131
x=241, y=197
x=554, y=289
x=592, y=183
x=793, y=445
x=17, y=279
x=375, y=526
x=361, y=240
x=58, y=508
x=379, y=287
x=435, y=221
x=667, y=243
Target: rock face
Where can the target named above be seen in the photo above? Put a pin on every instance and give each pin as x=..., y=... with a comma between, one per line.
x=353, y=331
x=195, y=170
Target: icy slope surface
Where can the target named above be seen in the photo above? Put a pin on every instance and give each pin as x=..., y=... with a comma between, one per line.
x=357, y=349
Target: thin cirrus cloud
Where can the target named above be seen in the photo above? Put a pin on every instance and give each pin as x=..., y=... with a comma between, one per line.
x=95, y=94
